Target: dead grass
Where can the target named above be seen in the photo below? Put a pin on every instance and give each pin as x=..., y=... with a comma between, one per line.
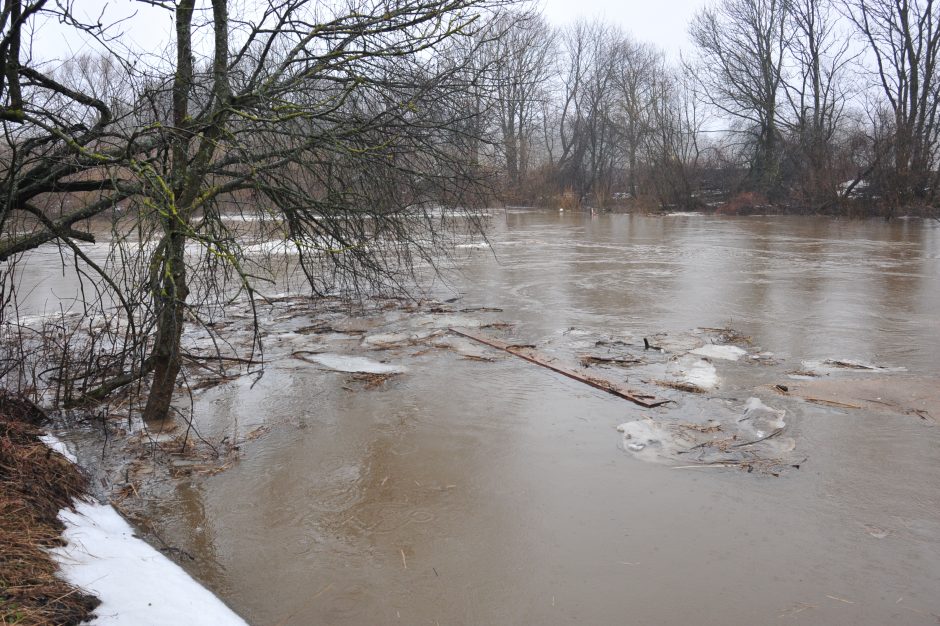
x=35, y=484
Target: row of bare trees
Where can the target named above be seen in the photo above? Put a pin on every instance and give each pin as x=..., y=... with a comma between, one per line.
x=807, y=103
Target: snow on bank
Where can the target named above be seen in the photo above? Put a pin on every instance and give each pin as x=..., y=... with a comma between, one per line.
x=136, y=584
x=59, y=446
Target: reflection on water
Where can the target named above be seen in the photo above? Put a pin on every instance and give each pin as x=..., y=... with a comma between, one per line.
x=494, y=492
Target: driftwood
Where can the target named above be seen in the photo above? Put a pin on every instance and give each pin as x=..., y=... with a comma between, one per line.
x=643, y=400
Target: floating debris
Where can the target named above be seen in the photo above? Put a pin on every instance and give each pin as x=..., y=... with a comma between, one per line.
x=587, y=360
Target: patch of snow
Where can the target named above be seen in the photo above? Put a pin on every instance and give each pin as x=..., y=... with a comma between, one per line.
x=725, y=353
x=59, y=446
x=354, y=364
x=135, y=583
x=474, y=246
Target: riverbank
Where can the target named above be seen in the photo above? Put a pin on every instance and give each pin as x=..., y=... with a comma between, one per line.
x=35, y=484
x=67, y=559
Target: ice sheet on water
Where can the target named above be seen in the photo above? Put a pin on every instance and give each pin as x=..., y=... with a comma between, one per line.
x=353, y=364
x=465, y=347
x=135, y=583
x=380, y=341
x=477, y=245
x=715, y=351
x=693, y=370
x=760, y=418
x=448, y=321
x=651, y=441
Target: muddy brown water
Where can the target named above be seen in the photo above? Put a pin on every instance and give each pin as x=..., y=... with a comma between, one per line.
x=496, y=492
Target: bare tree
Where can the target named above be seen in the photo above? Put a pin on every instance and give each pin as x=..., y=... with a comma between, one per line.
x=742, y=45
x=903, y=37
x=637, y=70
x=343, y=120
x=522, y=56
x=674, y=149
x=819, y=53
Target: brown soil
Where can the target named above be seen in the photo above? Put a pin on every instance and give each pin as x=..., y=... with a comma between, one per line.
x=35, y=484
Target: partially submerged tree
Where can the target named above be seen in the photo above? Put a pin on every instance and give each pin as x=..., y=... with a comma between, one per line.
x=343, y=121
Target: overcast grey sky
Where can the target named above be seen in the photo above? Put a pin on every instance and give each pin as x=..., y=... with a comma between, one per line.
x=662, y=22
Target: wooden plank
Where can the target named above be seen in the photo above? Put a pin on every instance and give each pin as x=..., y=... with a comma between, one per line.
x=526, y=353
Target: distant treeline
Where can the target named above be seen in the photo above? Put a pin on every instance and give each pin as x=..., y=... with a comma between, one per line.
x=807, y=105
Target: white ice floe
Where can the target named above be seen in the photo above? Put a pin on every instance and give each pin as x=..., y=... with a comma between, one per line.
x=59, y=446
x=694, y=371
x=725, y=353
x=395, y=340
x=464, y=347
x=480, y=245
x=136, y=584
x=449, y=321
x=760, y=418
x=354, y=364
x=274, y=246
x=650, y=441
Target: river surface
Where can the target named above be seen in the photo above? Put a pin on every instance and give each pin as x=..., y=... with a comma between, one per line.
x=470, y=491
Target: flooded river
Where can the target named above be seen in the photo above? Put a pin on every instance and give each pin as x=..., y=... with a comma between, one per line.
x=478, y=488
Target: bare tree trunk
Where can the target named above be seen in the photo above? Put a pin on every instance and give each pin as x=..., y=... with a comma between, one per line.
x=170, y=283
x=166, y=351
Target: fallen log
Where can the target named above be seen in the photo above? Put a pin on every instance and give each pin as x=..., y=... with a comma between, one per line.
x=641, y=399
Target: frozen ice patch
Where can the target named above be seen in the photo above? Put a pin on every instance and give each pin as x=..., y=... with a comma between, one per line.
x=762, y=419
x=353, y=364
x=715, y=351
x=135, y=583
x=695, y=371
x=649, y=440
x=381, y=341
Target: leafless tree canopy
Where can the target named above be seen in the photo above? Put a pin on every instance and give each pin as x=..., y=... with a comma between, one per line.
x=343, y=120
